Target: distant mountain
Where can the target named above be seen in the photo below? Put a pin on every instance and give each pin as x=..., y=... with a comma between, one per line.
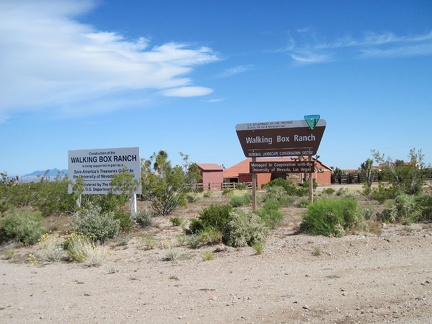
x=51, y=173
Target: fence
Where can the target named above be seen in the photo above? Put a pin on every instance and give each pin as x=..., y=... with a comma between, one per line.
x=221, y=186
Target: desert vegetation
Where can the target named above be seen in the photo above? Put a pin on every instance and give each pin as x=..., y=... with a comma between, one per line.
x=29, y=210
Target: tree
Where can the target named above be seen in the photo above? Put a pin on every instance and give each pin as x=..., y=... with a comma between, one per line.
x=366, y=170
x=164, y=185
x=405, y=177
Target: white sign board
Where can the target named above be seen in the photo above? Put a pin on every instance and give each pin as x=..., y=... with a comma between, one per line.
x=97, y=167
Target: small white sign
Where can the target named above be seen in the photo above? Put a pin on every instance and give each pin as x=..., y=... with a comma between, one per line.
x=98, y=166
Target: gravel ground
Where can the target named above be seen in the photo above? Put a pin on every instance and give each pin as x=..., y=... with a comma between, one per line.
x=382, y=277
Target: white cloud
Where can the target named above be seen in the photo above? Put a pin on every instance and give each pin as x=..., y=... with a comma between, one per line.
x=371, y=45
x=235, y=70
x=187, y=92
x=215, y=100
x=49, y=59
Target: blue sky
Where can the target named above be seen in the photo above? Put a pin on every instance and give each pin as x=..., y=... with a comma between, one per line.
x=179, y=75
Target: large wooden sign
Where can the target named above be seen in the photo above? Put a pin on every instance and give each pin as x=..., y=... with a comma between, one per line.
x=283, y=138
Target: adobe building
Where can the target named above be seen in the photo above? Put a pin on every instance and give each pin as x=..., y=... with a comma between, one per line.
x=211, y=176
x=240, y=173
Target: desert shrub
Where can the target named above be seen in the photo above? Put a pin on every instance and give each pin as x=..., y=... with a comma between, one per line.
x=207, y=255
x=290, y=188
x=165, y=185
x=303, y=203
x=214, y=216
x=177, y=221
x=305, y=184
x=190, y=198
x=241, y=186
x=94, y=223
x=227, y=192
x=52, y=247
x=21, y=226
x=328, y=191
x=18, y=194
x=244, y=229
x=144, y=218
x=383, y=192
x=277, y=195
x=331, y=217
x=53, y=198
x=424, y=205
x=271, y=216
x=125, y=220
x=242, y=200
x=404, y=209
x=149, y=242
x=258, y=247
x=207, y=194
x=210, y=235
x=81, y=248
x=195, y=226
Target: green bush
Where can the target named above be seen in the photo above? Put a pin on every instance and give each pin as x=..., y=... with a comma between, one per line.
x=210, y=235
x=328, y=191
x=20, y=226
x=227, y=192
x=126, y=222
x=144, y=218
x=424, y=205
x=177, y=221
x=244, y=229
x=303, y=203
x=241, y=186
x=93, y=223
x=191, y=198
x=290, y=188
x=215, y=216
x=272, y=217
x=52, y=197
x=331, y=217
x=243, y=200
x=403, y=210
x=277, y=194
x=383, y=192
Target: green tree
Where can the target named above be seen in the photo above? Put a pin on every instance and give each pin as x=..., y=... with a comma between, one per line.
x=124, y=185
x=366, y=169
x=404, y=177
x=164, y=185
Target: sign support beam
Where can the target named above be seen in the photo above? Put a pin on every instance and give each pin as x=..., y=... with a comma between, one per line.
x=310, y=183
x=254, y=185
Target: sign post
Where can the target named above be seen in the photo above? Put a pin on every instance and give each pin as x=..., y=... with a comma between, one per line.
x=283, y=138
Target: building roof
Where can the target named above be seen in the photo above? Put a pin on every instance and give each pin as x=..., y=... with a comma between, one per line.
x=210, y=167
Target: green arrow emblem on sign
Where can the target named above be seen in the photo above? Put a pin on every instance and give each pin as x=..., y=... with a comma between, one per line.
x=312, y=120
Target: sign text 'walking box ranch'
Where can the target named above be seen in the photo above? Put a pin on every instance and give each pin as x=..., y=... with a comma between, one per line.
x=278, y=139
x=98, y=166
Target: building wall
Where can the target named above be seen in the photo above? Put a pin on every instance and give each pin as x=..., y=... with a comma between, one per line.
x=212, y=180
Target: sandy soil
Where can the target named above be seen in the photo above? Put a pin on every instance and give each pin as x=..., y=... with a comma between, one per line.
x=381, y=277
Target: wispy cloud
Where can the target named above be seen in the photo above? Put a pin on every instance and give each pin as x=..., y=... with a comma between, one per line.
x=235, y=70
x=186, y=92
x=370, y=45
x=214, y=100
x=48, y=59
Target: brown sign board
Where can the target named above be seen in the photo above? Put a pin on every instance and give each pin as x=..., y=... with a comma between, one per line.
x=277, y=139
x=285, y=167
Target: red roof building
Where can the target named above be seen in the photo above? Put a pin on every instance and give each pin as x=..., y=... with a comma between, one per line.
x=211, y=176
